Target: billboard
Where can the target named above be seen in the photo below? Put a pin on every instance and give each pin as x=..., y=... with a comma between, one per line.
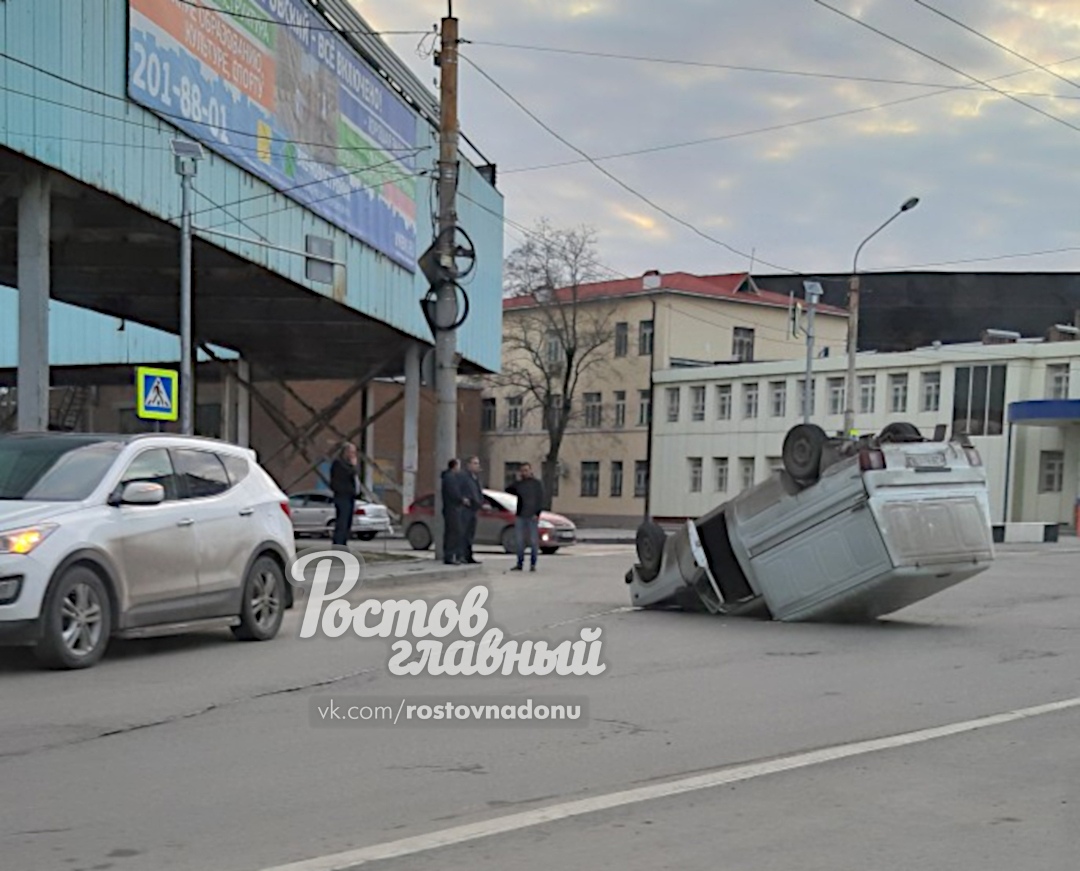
x=267, y=84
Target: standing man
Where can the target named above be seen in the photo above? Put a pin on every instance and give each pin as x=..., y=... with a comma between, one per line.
x=472, y=499
x=530, y=502
x=344, y=485
x=451, y=513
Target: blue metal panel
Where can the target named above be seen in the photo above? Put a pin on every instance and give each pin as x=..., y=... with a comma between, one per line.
x=78, y=337
x=105, y=140
x=1045, y=412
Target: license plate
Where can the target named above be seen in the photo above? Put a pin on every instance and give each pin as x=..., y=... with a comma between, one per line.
x=926, y=461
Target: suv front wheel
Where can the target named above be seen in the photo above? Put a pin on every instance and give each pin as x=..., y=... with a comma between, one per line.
x=76, y=621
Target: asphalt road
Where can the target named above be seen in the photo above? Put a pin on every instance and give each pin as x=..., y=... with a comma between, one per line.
x=699, y=751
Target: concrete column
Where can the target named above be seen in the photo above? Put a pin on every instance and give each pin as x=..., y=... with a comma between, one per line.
x=33, y=280
x=228, y=407
x=243, y=404
x=369, y=438
x=411, y=448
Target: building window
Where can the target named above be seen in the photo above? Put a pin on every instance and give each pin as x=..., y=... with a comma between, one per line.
x=697, y=403
x=673, y=394
x=695, y=474
x=554, y=347
x=720, y=474
x=620, y=409
x=645, y=339
x=641, y=479
x=644, y=407
x=488, y=415
x=622, y=339
x=594, y=411
x=723, y=402
x=510, y=471
x=750, y=401
x=979, y=400
x=590, y=479
x=616, y=479
x=1057, y=381
x=778, y=398
x=776, y=464
x=742, y=345
x=836, y=396
x=867, y=393
x=931, y=391
x=898, y=394
x=1051, y=471
x=802, y=398
x=746, y=471
x=515, y=413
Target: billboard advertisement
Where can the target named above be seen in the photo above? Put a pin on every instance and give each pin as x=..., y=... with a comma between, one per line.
x=267, y=85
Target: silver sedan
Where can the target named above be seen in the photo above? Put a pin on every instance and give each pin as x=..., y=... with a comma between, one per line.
x=313, y=513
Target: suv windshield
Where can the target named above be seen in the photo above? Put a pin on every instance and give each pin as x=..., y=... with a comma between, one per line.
x=54, y=469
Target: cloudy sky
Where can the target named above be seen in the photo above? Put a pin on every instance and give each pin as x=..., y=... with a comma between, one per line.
x=995, y=177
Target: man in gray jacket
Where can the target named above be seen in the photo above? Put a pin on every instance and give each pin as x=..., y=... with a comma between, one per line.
x=530, y=502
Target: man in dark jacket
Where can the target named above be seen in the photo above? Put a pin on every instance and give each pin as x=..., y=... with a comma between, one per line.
x=343, y=484
x=451, y=513
x=530, y=502
x=472, y=500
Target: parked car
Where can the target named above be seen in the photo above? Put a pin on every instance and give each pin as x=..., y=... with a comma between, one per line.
x=313, y=513
x=847, y=530
x=494, y=525
x=129, y=536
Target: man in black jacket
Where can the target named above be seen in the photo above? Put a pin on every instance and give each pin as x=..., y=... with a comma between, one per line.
x=472, y=500
x=451, y=513
x=344, y=485
x=530, y=502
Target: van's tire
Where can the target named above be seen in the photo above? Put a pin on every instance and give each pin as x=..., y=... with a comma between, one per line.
x=76, y=621
x=802, y=452
x=262, y=607
x=419, y=536
x=900, y=432
x=649, y=542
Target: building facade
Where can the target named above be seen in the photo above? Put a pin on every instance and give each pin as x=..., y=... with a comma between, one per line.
x=653, y=323
x=701, y=460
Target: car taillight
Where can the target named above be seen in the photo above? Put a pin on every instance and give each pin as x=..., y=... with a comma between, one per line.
x=285, y=507
x=973, y=456
x=359, y=512
x=871, y=460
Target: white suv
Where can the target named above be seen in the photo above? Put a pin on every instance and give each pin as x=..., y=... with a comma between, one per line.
x=130, y=536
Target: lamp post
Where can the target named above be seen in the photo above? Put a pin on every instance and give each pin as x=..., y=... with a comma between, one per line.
x=187, y=154
x=853, y=317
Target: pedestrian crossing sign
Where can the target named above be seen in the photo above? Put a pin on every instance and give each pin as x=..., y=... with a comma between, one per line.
x=157, y=393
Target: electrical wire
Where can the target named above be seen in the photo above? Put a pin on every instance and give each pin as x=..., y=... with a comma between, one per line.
x=651, y=203
x=227, y=211
x=765, y=70
x=947, y=65
x=196, y=4
x=1002, y=46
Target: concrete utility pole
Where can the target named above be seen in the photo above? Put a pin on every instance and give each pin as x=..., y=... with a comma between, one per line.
x=813, y=294
x=853, y=318
x=446, y=303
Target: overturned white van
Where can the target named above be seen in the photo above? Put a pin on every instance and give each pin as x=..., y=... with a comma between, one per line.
x=849, y=530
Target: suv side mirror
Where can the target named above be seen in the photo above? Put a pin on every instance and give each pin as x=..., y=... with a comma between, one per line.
x=141, y=493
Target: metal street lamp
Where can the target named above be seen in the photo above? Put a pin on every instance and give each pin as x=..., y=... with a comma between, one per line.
x=187, y=155
x=853, y=317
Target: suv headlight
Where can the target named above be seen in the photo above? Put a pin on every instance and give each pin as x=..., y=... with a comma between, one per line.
x=23, y=541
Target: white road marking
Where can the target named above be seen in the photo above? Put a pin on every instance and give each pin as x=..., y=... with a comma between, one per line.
x=720, y=777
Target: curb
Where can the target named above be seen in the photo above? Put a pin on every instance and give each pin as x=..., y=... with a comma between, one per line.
x=426, y=572
x=617, y=539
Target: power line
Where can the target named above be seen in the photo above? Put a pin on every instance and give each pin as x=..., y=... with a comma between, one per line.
x=651, y=203
x=763, y=70
x=226, y=210
x=947, y=65
x=1000, y=45
x=197, y=4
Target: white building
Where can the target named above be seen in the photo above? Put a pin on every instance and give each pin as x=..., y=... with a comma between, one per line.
x=720, y=429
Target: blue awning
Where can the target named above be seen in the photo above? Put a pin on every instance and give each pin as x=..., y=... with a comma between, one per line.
x=1045, y=412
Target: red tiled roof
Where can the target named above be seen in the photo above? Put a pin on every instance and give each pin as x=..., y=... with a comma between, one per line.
x=712, y=286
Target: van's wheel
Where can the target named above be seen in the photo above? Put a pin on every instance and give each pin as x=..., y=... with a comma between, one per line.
x=900, y=432
x=419, y=536
x=508, y=540
x=649, y=541
x=802, y=452
x=77, y=621
x=263, y=605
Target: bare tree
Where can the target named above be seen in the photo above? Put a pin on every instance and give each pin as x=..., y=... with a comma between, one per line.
x=558, y=336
